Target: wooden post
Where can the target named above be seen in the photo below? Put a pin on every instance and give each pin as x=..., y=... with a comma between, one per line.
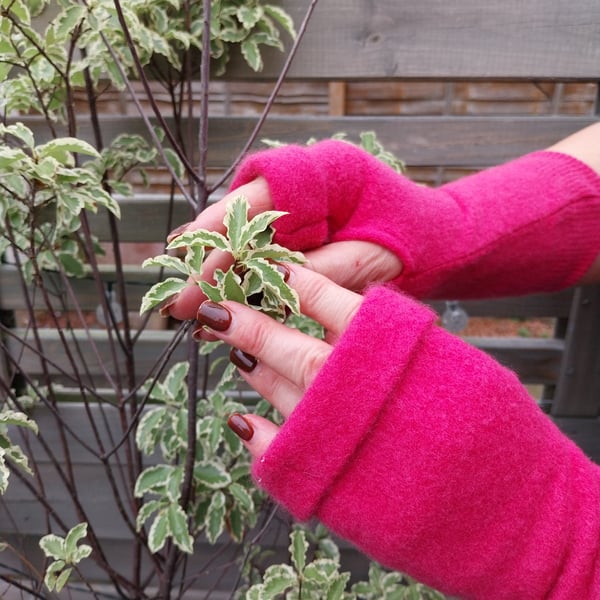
x=578, y=388
x=337, y=98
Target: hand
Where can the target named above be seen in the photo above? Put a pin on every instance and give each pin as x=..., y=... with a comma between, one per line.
x=351, y=264
x=280, y=363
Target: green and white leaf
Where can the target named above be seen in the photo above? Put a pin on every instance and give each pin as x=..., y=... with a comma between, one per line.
x=279, y=578
x=159, y=531
x=175, y=381
x=215, y=517
x=259, y=224
x=274, y=281
x=194, y=258
x=276, y=253
x=76, y=534
x=249, y=16
x=146, y=511
x=153, y=479
x=236, y=217
x=160, y=291
x=20, y=131
x=242, y=496
x=179, y=529
x=167, y=262
x=149, y=428
x=210, y=239
x=212, y=292
x=12, y=417
x=251, y=54
x=298, y=548
x=53, y=546
x=282, y=17
x=62, y=148
x=232, y=287
x=212, y=474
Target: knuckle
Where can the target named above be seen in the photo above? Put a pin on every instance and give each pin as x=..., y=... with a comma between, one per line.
x=255, y=334
x=312, y=363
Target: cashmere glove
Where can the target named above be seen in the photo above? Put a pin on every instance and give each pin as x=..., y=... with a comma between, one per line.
x=530, y=225
x=431, y=458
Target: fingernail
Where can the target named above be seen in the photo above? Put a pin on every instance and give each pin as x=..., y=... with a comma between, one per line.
x=214, y=316
x=197, y=334
x=177, y=232
x=284, y=270
x=165, y=309
x=240, y=427
x=242, y=360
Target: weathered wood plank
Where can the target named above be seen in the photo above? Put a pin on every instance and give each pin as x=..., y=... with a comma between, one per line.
x=349, y=39
x=337, y=98
x=535, y=305
x=442, y=141
x=585, y=432
x=578, y=389
x=139, y=280
x=535, y=360
x=85, y=290
x=92, y=355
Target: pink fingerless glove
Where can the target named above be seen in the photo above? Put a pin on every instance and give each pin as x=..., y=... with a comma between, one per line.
x=530, y=225
x=431, y=458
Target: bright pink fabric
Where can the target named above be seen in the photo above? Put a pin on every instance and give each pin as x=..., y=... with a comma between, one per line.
x=527, y=226
x=431, y=458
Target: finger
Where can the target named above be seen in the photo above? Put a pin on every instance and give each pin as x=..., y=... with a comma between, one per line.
x=255, y=432
x=287, y=351
x=259, y=200
x=355, y=264
x=185, y=305
x=277, y=389
x=323, y=300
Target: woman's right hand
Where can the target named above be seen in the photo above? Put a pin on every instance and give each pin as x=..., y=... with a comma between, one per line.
x=351, y=264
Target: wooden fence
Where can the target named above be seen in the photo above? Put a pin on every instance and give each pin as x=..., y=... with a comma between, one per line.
x=359, y=40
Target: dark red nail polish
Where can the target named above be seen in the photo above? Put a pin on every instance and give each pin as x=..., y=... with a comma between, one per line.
x=240, y=427
x=165, y=309
x=242, y=360
x=177, y=232
x=197, y=334
x=214, y=316
x=284, y=270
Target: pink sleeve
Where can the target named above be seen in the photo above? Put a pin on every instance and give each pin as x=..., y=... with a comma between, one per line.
x=527, y=226
x=431, y=458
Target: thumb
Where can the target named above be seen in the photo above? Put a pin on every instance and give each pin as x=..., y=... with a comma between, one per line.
x=354, y=264
x=255, y=432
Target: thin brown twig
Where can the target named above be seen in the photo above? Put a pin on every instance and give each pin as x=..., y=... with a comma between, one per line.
x=271, y=99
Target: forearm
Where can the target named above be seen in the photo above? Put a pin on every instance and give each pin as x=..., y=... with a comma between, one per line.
x=584, y=145
x=432, y=459
x=528, y=226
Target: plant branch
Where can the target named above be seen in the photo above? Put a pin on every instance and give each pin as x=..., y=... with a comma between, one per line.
x=144, y=80
x=271, y=99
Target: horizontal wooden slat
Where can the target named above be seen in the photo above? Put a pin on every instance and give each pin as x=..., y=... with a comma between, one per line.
x=93, y=349
x=85, y=290
x=535, y=360
x=440, y=141
x=535, y=305
x=352, y=39
x=139, y=280
x=349, y=39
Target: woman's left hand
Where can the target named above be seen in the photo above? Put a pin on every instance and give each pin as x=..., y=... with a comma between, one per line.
x=279, y=362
